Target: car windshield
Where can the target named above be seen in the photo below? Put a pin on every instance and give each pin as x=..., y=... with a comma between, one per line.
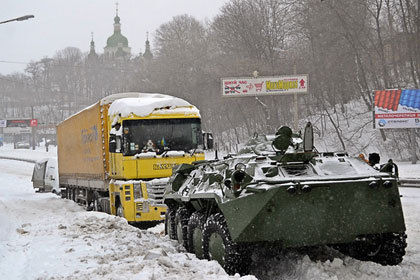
x=159, y=135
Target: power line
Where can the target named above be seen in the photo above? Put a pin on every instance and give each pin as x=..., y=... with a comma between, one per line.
x=12, y=62
x=70, y=66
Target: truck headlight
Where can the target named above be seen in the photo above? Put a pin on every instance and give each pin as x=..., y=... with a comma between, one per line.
x=137, y=191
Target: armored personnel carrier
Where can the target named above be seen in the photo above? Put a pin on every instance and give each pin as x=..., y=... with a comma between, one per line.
x=282, y=193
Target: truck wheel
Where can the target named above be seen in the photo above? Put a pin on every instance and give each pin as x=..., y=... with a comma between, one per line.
x=181, y=222
x=218, y=245
x=170, y=223
x=120, y=211
x=73, y=194
x=385, y=249
x=96, y=203
x=195, y=234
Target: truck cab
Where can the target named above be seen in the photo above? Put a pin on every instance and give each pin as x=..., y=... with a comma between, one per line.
x=144, y=149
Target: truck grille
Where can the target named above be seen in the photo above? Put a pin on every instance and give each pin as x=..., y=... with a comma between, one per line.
x=155, y=194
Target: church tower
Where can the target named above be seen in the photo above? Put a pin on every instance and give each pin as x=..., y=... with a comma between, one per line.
x=117, y=44
x=92, y=53
x=147, y=53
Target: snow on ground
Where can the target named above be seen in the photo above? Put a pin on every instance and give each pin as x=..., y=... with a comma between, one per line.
x=45, y=237
x=409, y=170
x=29, y=154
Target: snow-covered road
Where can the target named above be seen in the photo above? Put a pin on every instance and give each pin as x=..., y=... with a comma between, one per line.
x=46, y=237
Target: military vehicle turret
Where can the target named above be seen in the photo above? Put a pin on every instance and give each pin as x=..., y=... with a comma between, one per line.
x=281, y=192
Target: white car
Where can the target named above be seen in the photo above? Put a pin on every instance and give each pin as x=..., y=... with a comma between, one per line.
x=22, y=145
x=45, y=176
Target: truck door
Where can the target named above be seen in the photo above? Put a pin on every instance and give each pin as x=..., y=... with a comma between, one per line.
x=38, y=174
x=51, y=176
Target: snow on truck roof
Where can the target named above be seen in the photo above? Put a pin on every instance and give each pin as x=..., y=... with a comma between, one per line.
x=143, y=104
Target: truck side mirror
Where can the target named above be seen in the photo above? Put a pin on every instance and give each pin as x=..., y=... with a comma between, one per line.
x=208, y=140
x=112, y=147
x=112, y=143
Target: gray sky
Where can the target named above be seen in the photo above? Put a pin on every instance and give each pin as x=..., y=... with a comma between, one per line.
x=59, y=24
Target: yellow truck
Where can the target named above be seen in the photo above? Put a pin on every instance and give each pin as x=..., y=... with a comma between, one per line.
x=116, y=155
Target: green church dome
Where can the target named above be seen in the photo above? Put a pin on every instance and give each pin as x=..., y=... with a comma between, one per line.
x=116, y=39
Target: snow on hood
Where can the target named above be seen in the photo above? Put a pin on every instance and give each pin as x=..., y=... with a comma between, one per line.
x=143, y=104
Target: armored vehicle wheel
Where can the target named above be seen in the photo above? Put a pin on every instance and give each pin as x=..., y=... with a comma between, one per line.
x=385, y=249
x=170, y=223
x=392, y=249
x=195, y=234
x=218, y=245
x=181, y=223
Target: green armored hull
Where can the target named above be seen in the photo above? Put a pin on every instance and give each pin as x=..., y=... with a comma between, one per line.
x=288, y=196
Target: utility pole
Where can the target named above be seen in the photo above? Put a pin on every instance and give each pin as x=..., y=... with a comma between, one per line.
x=413, y=146
x=32, y=128
x=296, y=105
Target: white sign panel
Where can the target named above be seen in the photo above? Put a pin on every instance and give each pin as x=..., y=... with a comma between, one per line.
x=16, y=130
x=279, y=85
x=397, y=108
x=3, y=123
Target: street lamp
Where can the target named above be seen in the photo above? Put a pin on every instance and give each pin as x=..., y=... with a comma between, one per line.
x=18, y=19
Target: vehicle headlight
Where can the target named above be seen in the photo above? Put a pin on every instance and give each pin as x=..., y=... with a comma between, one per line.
x=306, y=189
x=291, y=190
x=387, y=184
x=373, y=185
x=146, y=207
x=137, y=191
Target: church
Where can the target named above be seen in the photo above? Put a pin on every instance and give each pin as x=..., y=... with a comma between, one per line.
x=117, y=44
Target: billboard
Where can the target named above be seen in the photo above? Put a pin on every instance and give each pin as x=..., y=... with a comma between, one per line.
x=262, y=86
x=397, y=108
x=16, y=126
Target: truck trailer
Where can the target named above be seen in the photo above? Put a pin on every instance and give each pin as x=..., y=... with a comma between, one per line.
x=116, y=155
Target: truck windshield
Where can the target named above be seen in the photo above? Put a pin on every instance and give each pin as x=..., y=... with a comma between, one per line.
x=159, y=135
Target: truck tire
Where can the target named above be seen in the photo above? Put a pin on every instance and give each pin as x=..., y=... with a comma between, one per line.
x=195, y=234
x=120, y=211
x=96, y=203
x=170, y=228
x=74, y=194
x=218, y=245
x=181, y=223
x=385, y=249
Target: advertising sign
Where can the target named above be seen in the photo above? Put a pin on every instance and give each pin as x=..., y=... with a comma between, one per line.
x=19, y=123
x=19, y=126
x=399, y=108
x=261, y=86
x=3, y=123
x=34, y=122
